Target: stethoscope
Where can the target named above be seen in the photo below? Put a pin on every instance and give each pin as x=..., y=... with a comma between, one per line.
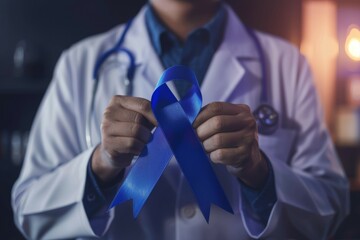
x=266, y=116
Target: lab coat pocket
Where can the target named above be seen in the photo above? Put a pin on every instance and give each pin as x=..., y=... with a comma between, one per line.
x=279, y=145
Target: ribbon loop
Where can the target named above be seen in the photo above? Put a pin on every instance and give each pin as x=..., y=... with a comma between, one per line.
x=174, y=135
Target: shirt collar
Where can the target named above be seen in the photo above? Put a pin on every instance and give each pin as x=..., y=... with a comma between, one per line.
x=214, y=29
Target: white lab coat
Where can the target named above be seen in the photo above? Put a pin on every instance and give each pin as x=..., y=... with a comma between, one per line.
x=312, y=191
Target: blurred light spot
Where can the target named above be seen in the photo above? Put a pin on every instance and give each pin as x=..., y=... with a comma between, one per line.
x=352, y=45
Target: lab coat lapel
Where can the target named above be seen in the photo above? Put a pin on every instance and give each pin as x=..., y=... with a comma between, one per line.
x=226, y=70
x=224, y=73
x=149, y=67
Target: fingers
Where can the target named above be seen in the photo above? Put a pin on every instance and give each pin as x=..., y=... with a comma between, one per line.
x=125, y=145
x=126, y=125
x=140, y=106
x=126, y=129
x=228, y=140
x=225, y=123
x=236, y=157
x=120, y=114
x=219, y=108
x=228, y=132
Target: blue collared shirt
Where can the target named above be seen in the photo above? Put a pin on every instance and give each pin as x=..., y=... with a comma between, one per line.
x=196, y=52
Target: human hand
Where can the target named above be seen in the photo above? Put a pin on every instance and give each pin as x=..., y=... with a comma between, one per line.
x=126, y=128
x=229, y=134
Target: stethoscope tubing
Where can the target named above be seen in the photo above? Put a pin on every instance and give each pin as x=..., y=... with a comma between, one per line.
x=264, y=87
x=128, y=81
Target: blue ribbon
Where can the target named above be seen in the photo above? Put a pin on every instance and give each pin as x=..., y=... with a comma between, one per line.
x=174, y=136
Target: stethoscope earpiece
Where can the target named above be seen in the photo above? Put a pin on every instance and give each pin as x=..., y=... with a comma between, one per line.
x=267, y=119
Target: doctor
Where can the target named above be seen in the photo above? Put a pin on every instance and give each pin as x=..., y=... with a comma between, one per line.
x=287, y=184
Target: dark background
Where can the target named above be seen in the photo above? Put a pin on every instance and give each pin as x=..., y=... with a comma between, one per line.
x=46, y=28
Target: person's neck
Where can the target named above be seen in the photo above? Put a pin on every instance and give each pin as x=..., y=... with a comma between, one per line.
x=182, y=17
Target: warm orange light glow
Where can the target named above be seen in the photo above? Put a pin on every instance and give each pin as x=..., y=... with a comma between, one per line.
x=321, y=48
x=352, y=45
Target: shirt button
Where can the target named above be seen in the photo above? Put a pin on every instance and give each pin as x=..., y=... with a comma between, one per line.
x=90, y=197
x=188, y=211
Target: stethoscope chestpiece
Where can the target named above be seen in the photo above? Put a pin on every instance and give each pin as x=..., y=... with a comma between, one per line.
x=267, y=119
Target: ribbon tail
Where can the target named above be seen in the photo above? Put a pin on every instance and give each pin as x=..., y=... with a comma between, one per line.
x=205, y=185
x=145, y=173
x=206, y=200
x=192, y=159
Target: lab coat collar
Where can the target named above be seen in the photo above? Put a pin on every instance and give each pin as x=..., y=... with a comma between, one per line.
x=138, y=41
x=236, y=35
x=225, y=70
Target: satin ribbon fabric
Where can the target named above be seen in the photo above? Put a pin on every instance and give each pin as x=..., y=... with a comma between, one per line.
x=174, y=136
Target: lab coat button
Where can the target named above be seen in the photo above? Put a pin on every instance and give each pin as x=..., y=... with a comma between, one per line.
x=188, y=211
